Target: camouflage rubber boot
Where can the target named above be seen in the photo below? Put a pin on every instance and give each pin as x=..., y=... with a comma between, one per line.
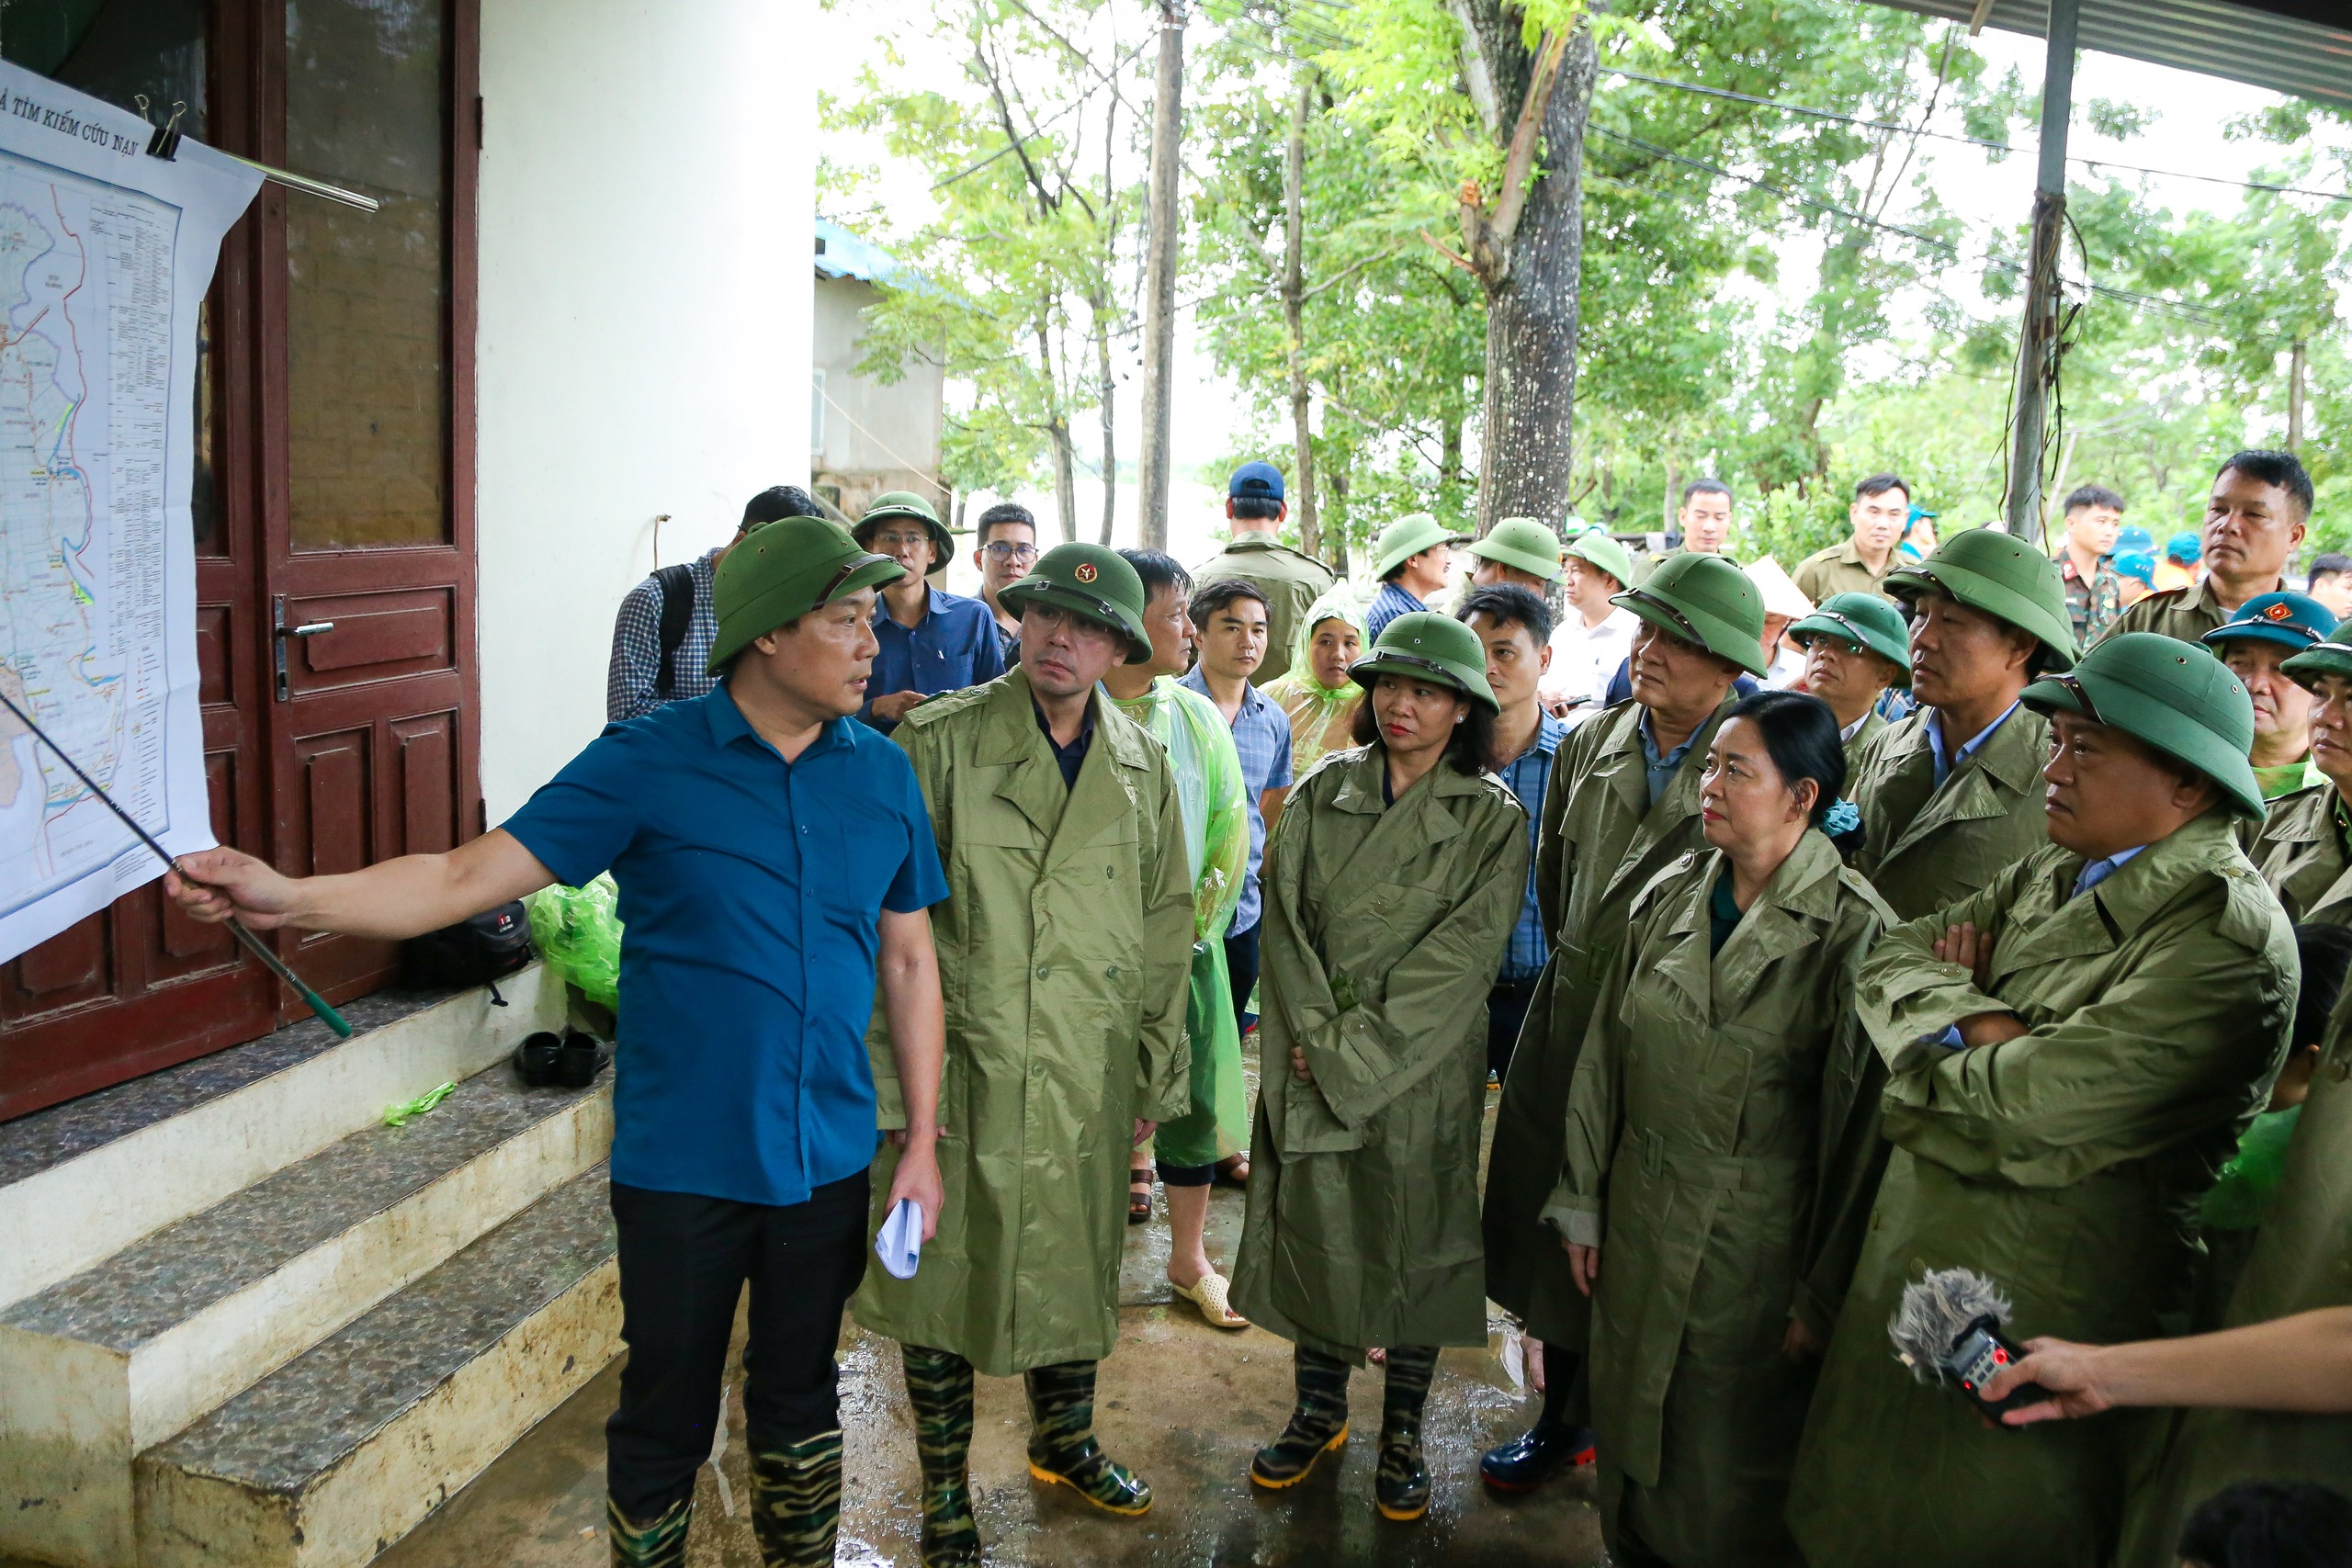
x=1400, y=1487
x=797, y=1501
x=1318, y=1426
x=656, y=1543
x=939, y=1386
x=1061, y=1441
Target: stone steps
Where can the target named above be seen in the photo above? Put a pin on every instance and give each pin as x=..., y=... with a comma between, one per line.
x=335, y=1455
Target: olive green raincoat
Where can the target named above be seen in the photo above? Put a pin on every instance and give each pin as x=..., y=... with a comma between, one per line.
x=1927, y=846
x=1384, y=928
x=1064, y=940
x=2301, y=1262
x=1857, y=745
x=2064, y=1165
x=1601, y=842
x=1722, y=1151
x=2301, y=854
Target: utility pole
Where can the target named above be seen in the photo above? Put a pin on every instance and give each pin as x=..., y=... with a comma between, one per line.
x=2295, y=361
x=1160, y=278
x=2038, y=330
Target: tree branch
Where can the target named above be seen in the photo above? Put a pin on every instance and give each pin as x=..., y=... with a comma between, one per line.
x=1475, y=77
x=1440, y=247
x=1518, y=164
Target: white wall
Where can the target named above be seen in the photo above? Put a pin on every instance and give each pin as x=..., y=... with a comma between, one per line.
x=646, y=196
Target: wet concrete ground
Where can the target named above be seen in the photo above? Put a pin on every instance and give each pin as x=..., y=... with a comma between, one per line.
x=1184, y=1403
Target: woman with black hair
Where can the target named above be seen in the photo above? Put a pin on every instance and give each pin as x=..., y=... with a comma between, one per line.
x=1723, y=1148
x=1392, y=882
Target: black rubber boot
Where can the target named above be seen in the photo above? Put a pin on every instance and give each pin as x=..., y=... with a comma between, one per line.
x=1318, y=1423
x=939, y=1386
x=1062, y=1449
x=797, y=1501
x=1557, y=1443
x=1400, y=1487
x=653, y=1543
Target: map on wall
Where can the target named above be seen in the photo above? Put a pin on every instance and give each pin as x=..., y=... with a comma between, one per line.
x=105, y=253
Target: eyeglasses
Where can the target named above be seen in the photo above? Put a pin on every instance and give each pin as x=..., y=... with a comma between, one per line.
x=895, y=540
x=1003, y=551
x=2075, y=687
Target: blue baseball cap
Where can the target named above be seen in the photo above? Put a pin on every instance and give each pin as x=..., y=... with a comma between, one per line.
x=2291, y=620
x=1255, y=481
x=2183, y=547
x=2132, y=537
x=2139, y=563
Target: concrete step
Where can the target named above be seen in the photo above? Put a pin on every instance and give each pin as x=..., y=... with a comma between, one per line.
x=338, y=1453
x=111, y=1361
x=85, y=1180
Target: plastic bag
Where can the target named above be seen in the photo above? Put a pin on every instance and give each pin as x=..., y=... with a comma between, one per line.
x=2241, y=1197
x=580, y=936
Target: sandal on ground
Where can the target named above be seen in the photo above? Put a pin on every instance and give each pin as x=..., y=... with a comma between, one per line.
x=1233, y=1170
x=1210, y=1294
x=1139, y=1197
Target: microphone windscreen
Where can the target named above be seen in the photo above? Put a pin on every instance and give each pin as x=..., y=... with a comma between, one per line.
x=1936, y=1310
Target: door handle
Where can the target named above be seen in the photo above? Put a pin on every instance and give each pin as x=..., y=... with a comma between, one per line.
x=279, y=634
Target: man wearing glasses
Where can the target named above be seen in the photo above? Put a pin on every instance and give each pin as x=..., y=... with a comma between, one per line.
x=1008, y=548
x=932, y=642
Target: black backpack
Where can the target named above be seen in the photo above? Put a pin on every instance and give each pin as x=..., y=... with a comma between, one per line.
x=474, y=952
x=677, y=614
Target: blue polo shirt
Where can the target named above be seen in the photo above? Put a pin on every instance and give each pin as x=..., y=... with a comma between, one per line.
x=750, y=888
x=956, y=644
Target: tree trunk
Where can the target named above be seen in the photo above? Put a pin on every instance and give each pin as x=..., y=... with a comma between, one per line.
x=1160, y=280
x=1057, y=432
x=1109, y=429
x=1311, y=536
x=1531, y=308
x=2296, y=358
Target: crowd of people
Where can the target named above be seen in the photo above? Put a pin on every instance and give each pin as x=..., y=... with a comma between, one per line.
x=1933, y=904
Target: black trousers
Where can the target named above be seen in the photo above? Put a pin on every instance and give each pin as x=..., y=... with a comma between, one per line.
x=1506, y=1011
x=1241, y=968
x=685, y=1259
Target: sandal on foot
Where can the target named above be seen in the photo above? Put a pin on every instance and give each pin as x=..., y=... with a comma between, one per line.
x=1233, y=1170
x=1139, y=1199
x=1210, y=1293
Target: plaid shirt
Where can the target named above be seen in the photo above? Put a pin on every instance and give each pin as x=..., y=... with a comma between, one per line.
x=1387, y=605
x=1528, y=775
x=636, y=647
x=1262, y=734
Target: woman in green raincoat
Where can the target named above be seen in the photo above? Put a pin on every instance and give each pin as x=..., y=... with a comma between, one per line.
x=1209, y=791
x=1723, y=1144
x=1392, y=883
x=2301, y=851
x=2073, y=1053
x=1316, y=692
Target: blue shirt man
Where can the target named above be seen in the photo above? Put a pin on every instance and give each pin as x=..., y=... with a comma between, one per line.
x=1387, y=605
x=1527, y=776
x=1262, y=734
x=750, y=888
x=930, y=642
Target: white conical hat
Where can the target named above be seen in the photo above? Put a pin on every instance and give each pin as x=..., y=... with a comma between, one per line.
x=1781, y=596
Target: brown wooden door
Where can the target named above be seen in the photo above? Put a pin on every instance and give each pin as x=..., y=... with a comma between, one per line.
x=335, y=483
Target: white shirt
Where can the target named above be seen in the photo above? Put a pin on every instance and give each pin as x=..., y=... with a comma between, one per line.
x=1584, y=658
x=1786, y=671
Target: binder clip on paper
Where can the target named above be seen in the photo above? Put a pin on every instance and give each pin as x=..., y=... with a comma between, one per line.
x=899, y=1245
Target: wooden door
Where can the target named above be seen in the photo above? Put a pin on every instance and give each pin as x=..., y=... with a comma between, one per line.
x=370, y=750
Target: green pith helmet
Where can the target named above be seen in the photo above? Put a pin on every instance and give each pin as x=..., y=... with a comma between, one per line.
x=1425, y=646
x=1707, y=600
x=907, y=504
x=1088, y=581
x=2333, y=657
x=781, y=571
x=2171, y=694
x=1521, y=543
x=1594, y=545
x=2003, y=576
x=1407, y=537
x=1864, y=620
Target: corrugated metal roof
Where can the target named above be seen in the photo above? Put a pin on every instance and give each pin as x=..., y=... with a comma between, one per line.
x=2278, y=44
x=841, y=254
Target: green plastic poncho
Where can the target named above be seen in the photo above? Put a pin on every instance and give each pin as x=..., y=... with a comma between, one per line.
x=1211, y=796
x=1316, y=710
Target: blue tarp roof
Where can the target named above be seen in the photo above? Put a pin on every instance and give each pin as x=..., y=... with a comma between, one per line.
x=841, y=254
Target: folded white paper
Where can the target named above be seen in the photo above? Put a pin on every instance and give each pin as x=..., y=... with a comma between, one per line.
x=900, y=1243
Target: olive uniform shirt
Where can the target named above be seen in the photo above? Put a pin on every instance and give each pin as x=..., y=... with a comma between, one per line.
x=2184, y=613
x=1841, y=569
x=1291, y=582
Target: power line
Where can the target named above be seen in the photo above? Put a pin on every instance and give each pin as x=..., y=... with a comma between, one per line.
x=1856, y=120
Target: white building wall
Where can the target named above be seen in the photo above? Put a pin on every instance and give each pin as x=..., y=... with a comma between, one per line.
x=647, y=197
